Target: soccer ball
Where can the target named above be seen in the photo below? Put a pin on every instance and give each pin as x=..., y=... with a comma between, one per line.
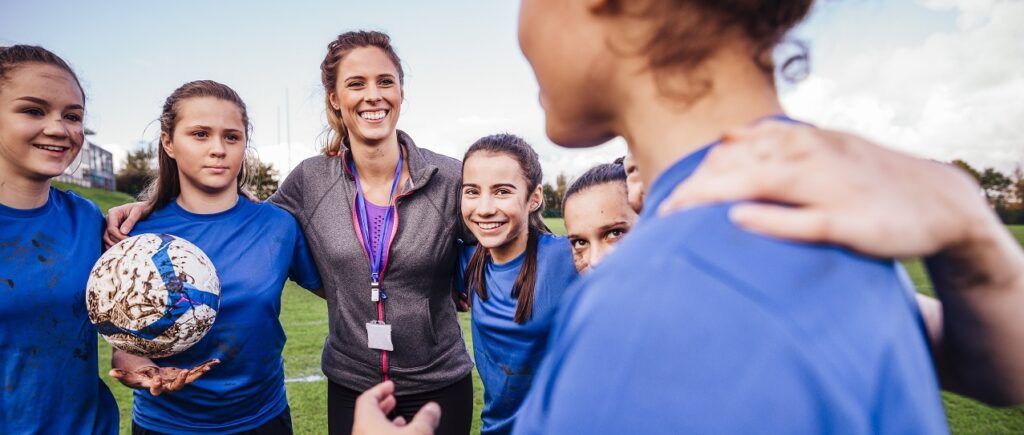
x=153, y=295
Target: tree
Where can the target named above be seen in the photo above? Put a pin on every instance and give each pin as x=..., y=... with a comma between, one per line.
x=553, y=196
x=995, y=184
x=967, y=168
x=138, y=169
x=1017, y=185
x=550, y=198
x=263, y=181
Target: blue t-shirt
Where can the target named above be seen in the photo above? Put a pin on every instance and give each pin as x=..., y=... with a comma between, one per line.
x=255, y=248
x=507, y=353
x=695, y=326
x=47, y=343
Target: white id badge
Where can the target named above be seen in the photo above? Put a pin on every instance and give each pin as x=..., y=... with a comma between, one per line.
x=378, y=335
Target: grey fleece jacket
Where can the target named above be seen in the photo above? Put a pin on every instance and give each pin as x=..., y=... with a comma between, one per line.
x=429, y=351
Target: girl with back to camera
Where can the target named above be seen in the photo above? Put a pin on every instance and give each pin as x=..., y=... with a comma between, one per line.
x=695, y=325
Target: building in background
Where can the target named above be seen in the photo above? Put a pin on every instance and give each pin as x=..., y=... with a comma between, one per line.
x=94, y=167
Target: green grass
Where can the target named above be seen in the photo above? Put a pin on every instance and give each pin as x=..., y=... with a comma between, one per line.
x=304, y=317
x=557, y=225
x=105, y=199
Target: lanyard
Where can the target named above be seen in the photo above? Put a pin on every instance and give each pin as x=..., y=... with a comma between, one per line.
x=375, y=257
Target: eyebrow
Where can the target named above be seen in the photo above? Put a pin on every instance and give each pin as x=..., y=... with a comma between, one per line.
x=513, y=186
x=612, y=225
x=45, y=103
x=203, y=127
x=360, y=77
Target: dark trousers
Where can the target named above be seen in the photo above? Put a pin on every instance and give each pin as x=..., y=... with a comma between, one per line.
x=456, y=402
x=280, y=425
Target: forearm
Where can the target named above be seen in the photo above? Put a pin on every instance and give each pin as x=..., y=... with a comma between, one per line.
x=981, y=285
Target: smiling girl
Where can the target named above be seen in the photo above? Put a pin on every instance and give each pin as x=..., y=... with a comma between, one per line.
x=516, y=273
x=198, y=196
x=49, y=240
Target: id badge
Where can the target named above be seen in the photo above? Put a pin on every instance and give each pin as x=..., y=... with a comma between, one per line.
x=378, y=336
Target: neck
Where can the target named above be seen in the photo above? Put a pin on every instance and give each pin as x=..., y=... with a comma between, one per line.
x=197, y=201
x=376, y=162
x=21, y=192
x=660, y=130
x=509, y=251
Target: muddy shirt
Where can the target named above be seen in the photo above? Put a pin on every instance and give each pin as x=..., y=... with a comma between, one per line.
x=255, y=248
x=48, y=362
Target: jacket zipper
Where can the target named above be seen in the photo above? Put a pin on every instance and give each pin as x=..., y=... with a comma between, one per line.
x=387, y=257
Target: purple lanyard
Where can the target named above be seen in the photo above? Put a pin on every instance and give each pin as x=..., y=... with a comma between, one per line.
x=364, y=226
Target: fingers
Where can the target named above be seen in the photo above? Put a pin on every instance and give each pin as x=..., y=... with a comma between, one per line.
x=133, y=217
x=799, y=224
x=141, y=378
x=388, y=404
x=377, y=393
x=180, y=376
x=399, y=421
x=199, y=370
x=426, y=420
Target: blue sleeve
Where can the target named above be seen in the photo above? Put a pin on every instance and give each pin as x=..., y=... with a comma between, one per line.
x=465, y=253
x=303, y=269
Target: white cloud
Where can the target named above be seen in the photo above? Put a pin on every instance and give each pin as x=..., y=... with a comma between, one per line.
x=957, y=94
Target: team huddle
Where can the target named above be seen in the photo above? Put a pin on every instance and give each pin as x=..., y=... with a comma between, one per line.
x=664, y=309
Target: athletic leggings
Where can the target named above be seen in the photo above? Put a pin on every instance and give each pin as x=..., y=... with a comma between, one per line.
x=456, y=402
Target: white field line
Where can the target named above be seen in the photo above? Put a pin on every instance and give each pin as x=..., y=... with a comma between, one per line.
x=310, y=378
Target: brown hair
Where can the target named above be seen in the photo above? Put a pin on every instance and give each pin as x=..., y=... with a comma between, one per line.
x=17, y=55
x=337, y=50
x=526, y=281
x=684, y=33
x=166, y=186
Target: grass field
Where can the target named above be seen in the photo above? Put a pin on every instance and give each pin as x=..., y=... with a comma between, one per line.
x=304, y=317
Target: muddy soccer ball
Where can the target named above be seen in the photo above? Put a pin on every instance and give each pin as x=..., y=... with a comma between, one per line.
x=153, y=295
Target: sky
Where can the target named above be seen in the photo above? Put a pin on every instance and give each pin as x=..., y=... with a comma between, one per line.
x=941, y=79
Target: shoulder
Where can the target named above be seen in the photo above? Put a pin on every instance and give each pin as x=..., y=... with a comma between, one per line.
x=555, y=250
x=74, y=203
x=448, y=168
x=315, y=166
x=707, y=238
x=273, y=212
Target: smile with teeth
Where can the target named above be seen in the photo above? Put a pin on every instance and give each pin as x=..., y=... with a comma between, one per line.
x=50, y=147
x=374, y=115
x=489, y=225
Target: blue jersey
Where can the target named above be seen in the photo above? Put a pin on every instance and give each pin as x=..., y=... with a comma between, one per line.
x=507, y=353
x=695, y=326
x=255, y=248
x=47, y=343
